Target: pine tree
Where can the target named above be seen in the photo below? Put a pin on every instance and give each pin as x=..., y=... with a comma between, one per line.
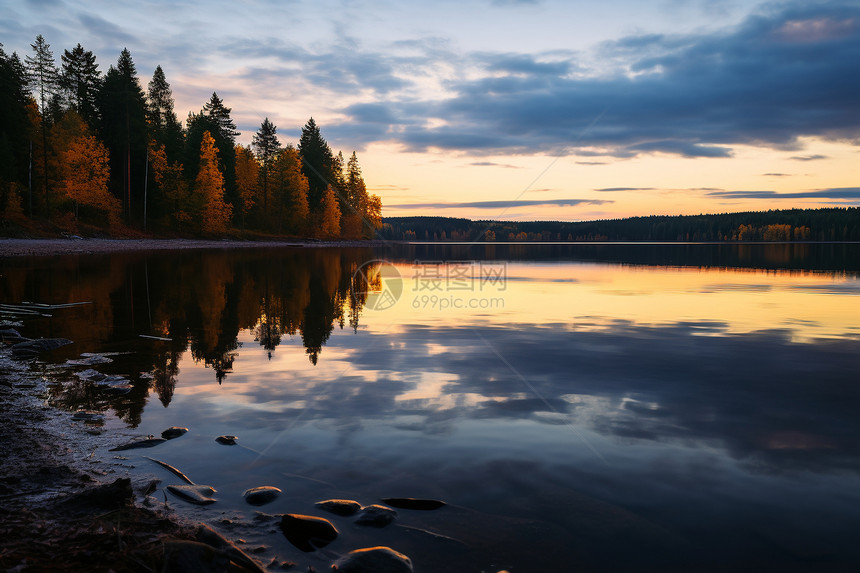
x=220, y=113
x=43, y=73
x=80, y=80
x=223, y=130
x=163, y=123
x=14, y=130
x=209, y=186
x=44, y=80
x=317, y=163
x=267, y=146
x=123, y=129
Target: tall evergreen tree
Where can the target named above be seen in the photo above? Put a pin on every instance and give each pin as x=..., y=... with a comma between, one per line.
x=355, y=190
x=216, y=109
x=123, y=128
x=317, y=163
x=223, y=131
x=81, y=79
x=267, y=146
x=14, y=129
x=43, y=73
x=163, y=123
x=44, y=81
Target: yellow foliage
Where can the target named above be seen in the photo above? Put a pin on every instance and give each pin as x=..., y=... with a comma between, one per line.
x=171, y=182
x=289, y=192
x=85, y=174
x=209, y=186
x=330, y=225
x=247, y=178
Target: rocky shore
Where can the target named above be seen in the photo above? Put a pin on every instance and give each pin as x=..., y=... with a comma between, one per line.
x=63, y=508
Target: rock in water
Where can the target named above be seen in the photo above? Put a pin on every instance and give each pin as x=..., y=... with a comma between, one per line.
x=30, y=348
x=88, y=416
x=344, y=507
x=261, y=495
x=373, y=560
x=173, y=432
x=199, y=494
x=12, y=336
x=307, y=532
x=413, y=503
x=227, y=440
x=376, y=516
x=148, y=443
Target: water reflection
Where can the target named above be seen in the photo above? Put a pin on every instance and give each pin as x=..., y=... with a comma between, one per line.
x=188, y=300
x=695, y=407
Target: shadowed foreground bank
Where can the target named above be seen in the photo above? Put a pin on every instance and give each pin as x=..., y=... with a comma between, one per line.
x=62, y=511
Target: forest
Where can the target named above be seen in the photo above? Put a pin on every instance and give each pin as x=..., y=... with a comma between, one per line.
x=829, y=224
x=83, y=151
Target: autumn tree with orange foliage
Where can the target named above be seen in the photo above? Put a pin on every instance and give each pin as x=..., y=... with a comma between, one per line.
x=86, y=174
x=172, y=188
x=289, y=188
x=329, y=227
x=209, y=186
x=247, y=180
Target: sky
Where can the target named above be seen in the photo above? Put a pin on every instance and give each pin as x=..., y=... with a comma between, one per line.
x=516, y=109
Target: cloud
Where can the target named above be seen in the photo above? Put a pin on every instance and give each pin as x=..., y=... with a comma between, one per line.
x=501, y=204
x=808, y=157
x=776, y=175
x=834, y=193
x=98, y=27
x=494, y=164
x=526, y=65
x=614, y=189
x=688, y=95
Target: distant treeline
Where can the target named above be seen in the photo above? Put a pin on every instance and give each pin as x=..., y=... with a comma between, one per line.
x=831, y=224
x=86, y=150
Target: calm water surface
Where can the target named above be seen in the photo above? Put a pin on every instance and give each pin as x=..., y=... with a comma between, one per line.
x=593, y=407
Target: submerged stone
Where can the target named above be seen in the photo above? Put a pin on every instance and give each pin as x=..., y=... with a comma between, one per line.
x=148, y=443
x=307, y=532
x=373, y=560
x=88, y=416
x=31, y=348
x=173, y=432
x=344, y=507
x=261, y=495
x=413, y=503
x=199, y=494
x=376, y=516
x=226, y=440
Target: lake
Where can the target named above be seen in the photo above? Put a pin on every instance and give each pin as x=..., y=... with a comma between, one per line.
x=578, y=407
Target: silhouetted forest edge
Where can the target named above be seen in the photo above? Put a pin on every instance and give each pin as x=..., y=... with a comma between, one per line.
x=802, y=225
x=827, y=224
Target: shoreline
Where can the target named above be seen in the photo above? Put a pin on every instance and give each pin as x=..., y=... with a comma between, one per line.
x=48, y=247
x=66, y=504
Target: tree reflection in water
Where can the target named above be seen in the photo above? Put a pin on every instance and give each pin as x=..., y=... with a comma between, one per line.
x=197, y=300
